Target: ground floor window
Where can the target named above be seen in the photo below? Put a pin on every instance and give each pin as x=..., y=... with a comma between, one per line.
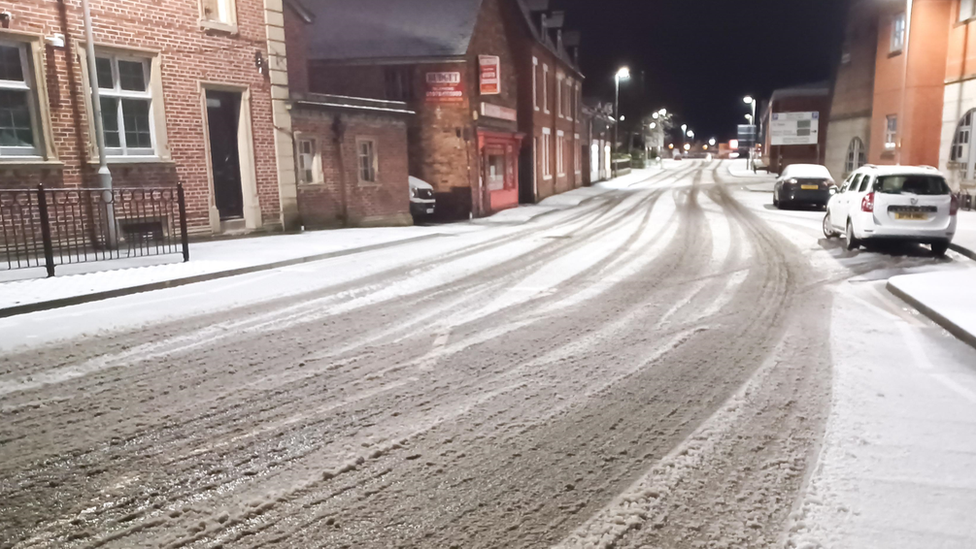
x=560, y=153
x=126, y=103
x=496, y=171
x=367, y=160
x=546, y=148
x=308, y=161
x=960, y=142
x=856, y=155
x=18, y=120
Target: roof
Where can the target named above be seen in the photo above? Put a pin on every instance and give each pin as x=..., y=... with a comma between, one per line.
x=807, y=171
x=389, y=29
x=342, y=102
x=900, y=170
x=805, y=90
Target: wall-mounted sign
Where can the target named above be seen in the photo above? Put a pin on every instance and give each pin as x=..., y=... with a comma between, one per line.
x=444, y=87
x=502, y=113
x=794, y=128
x=491, y=81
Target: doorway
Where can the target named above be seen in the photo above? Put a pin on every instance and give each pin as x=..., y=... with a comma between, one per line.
x=223, y=121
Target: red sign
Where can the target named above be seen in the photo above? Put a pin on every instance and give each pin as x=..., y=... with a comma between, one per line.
x=444, y=87
x=491, y=82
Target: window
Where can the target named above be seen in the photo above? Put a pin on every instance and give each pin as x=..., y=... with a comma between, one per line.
x=856, y=155
x=126, y=101
x=897, y=33
x=967, y=10
x=545, y=88
x=855, y=181
x=546, y=148
x=309, y=161
x=367, y=160
x=578, y=161
x=398, y=84
x=568, y=98
x=891, y=132
x=559, y=95
x=496, y=171
x=19, y=128
x=961, y=142
x=923, y=185
x=864, y=183
x=219, y=11
x=535, y=82
x=560, y=153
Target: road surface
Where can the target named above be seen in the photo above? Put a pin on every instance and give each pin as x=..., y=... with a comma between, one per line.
x=650, y=367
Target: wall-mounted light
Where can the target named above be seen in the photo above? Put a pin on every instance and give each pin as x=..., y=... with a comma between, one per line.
x=259, y=61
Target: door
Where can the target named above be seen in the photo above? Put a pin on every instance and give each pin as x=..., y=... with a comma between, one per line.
x=527, y=175
x=223, y=119
x=839, y=204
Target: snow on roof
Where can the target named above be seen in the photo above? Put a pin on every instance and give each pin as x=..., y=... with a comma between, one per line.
x=903, y=170
x=389, y=29
x=807, y=171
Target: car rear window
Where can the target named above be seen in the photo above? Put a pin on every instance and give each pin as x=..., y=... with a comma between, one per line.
x=912, y=184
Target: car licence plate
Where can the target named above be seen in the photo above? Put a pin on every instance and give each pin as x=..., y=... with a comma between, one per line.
x=810, y=187
x=430, y=210
x=912, y=216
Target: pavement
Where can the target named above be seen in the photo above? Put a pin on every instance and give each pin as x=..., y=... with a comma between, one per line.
x=27, y=290
x=667, y=363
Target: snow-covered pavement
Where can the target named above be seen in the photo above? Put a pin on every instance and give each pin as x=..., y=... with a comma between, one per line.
x=664, y=361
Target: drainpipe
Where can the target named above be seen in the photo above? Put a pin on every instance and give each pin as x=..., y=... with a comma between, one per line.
x=104, y=175
x=904, y=87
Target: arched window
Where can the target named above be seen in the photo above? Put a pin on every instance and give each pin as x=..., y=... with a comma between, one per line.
x=857, y=155
x=960, y=143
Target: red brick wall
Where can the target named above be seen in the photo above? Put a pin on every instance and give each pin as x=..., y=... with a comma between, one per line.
x=296, y=38
x=385, y=202
x=189, y=56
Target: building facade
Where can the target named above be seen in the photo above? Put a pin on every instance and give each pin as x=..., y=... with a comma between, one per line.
x=849, y=126
x=192, y=91
x=957, y=158
x=784, y=103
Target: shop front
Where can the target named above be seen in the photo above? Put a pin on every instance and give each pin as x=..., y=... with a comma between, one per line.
x=499, y=156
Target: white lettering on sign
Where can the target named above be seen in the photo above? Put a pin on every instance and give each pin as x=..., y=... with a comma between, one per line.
x=794, y=128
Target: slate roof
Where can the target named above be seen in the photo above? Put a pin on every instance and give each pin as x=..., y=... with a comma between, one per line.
x=346, y=30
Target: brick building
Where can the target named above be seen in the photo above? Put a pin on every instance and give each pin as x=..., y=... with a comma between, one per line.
x=351, y=162
x=191, y=90
x=550, y=106
x=597, y=131
x=810, y=98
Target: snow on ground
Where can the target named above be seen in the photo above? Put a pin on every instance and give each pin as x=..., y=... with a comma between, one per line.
x=966, y=230
x=896, y=467
x=951, y=294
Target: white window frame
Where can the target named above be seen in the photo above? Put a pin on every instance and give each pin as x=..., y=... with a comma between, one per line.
x=560, y=153
x=224, y=19
x=546, y=153
x=29, y=85
x=375, y=164
x=545, y=88
x=535, y=83
x=854, y=152
x=569, y=99
x=967, y=10
x=891, y=134
x=308, y=161
x=559, y=94
x=577, y=157
x=898, y=31
x=116, y=92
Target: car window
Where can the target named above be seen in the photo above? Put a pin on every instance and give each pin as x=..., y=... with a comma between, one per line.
x=854, y=183
x=912, y=184
x=864, y=183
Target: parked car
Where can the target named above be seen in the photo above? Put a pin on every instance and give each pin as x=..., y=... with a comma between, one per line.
x=803, y=185
x=904, y=203
x=422, y=201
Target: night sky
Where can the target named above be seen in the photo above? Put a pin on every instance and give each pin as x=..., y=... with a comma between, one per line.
x=701, y=57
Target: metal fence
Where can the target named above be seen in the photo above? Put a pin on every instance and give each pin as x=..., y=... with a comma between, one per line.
x=49, y=227
x=965, y=201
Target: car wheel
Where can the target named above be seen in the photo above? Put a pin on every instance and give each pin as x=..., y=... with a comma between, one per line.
x=828, y=229
x=775, y=200
x=852, y=242
x=940, y=249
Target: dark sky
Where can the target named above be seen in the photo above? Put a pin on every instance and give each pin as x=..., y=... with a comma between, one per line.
x=701, y=57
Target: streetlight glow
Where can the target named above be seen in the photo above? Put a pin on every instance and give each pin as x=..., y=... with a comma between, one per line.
x=663, y=112
x=687, y=146
x=653, y=125
x=712, y=141
x=684, y=127
x=748, y=100
x=691, y=134
x=623, y=73
x=655, y=116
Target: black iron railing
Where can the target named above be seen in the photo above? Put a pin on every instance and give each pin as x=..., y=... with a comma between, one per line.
x=965, y=201
x=49, y=227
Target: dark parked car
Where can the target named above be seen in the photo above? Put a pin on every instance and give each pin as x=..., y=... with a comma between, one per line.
x=803, y=185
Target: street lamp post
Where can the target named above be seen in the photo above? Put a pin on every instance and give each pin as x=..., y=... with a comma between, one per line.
x=622, y=74
x=749, y=100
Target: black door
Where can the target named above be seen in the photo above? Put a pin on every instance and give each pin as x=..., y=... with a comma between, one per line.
x=527, y=174
x=223, y=114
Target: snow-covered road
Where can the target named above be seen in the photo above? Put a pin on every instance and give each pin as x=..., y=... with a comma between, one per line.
x=668, y=363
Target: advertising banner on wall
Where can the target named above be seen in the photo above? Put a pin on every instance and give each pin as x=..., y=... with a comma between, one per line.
x=794, y=128
x=491, y=82
x=444, y=87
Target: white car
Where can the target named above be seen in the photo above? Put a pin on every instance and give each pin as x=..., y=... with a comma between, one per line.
x=422, y=200
x=912, y=204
